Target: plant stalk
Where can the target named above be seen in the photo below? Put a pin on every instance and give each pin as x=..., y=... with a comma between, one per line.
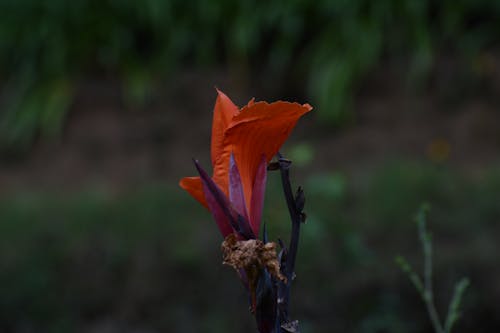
x=291, y=254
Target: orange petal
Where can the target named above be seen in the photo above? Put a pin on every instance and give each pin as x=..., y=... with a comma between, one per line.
x=259, y=128
x=224, y=111
x=194, y=187
x=251, y=102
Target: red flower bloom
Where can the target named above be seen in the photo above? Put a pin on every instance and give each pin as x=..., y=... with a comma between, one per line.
x=243, y=142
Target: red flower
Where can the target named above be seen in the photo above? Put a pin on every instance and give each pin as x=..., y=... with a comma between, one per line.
x=243, y=142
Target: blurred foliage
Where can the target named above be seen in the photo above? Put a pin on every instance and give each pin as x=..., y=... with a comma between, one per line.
x=151, y=257
x=46, y=46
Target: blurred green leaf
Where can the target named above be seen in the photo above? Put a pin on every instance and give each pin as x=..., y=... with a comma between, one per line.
x=326, y=46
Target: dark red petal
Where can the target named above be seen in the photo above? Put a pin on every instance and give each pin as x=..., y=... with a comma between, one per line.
x=217, y=202
x=265, y=307
x=236, y=196
x=225, y=215
x=258, y=191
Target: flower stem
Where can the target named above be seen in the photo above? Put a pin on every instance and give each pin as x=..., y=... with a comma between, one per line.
x=296, y=218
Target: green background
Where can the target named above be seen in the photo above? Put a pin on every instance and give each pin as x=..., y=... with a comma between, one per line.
x=104, y=103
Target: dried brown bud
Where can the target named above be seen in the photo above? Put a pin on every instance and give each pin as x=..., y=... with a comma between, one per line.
x=252, y=256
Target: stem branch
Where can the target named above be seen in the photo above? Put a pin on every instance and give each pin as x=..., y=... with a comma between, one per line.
x=296, y=217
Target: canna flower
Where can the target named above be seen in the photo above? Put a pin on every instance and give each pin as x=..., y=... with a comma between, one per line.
x=243, y=142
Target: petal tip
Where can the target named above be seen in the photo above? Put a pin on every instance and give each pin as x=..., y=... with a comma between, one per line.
x=307, y=106
x=220, y=93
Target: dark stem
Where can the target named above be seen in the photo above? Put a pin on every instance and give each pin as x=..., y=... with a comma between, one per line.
x=296, y=217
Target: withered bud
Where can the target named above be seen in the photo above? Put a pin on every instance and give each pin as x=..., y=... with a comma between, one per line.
x=251, y=255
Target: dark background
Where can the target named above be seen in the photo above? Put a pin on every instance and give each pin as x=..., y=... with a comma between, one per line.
x=104, y=103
